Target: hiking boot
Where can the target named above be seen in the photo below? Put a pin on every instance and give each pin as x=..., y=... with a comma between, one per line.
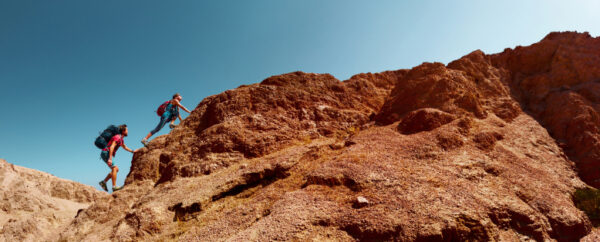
x=103, y=185
x=145, y=142
x=117, y=188
x=172, y=126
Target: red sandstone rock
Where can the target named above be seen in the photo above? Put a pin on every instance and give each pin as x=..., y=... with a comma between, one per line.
x=557, y=79
x=423, y=120
x=287, y=158
x=255, y=120
x=269, y=161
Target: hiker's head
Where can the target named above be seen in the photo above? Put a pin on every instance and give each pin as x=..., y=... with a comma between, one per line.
x=123, y=129
x=177, y=96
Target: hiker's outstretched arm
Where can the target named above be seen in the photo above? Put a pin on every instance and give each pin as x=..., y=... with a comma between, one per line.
x=181, y=106
x=126, y=148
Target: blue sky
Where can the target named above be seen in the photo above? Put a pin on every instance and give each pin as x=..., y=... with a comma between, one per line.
x=70, y=68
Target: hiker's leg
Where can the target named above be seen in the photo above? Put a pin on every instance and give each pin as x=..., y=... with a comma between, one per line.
x=115, y=169
x=108, y=177
x=161, y=124
x=172, y=119
x=104, y=156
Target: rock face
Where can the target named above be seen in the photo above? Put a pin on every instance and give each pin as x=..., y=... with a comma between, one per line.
x=36, y=206
x=486, y=148
x=558, y=81
x=256, y=120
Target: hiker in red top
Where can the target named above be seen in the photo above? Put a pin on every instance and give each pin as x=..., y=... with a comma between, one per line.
x=168, y=112
x=108, y=153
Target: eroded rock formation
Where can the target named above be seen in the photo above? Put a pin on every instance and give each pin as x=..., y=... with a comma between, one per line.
x=486, y=148
x=558, y=81
x=36, y=206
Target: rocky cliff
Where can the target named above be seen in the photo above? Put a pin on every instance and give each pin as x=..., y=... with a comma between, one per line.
x=36, y=206
x=486, y=148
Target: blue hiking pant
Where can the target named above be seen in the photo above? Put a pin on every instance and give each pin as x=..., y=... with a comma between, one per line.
x=164, y=119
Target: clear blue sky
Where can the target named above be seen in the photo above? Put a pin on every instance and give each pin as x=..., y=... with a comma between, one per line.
x=70, y=68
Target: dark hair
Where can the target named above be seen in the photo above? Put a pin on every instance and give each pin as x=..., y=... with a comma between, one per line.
x=122, y=128
x=176, y=95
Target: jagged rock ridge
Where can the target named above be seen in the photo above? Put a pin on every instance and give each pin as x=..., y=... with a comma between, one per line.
x=36, y=206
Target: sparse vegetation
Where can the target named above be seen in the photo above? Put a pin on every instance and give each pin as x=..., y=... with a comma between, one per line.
x=588, y=200
x=353, y=130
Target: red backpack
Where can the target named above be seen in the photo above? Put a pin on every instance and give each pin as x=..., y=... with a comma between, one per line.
x=161, y=109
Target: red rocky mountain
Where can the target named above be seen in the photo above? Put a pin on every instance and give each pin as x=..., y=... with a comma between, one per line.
x=486, y=148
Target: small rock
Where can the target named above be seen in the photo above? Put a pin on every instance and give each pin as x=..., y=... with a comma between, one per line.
x=360, y=202
x=336, y=146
